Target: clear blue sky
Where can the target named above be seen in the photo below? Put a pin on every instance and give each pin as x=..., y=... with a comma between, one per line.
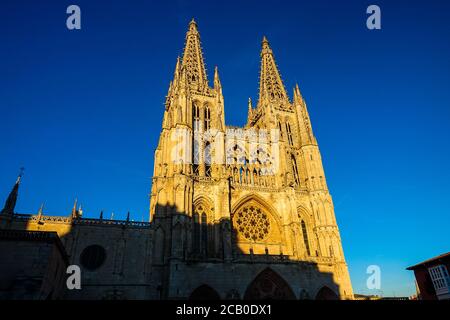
x=82, y=110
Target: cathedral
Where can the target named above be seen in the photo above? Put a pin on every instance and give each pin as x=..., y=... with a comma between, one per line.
x=235, y=212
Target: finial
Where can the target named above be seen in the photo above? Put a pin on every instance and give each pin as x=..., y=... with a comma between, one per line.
x=128, y=216
x=265, y=46
x=41, y=210
x=192, y=25
x=19, y=177
x=74, y=209
x=216, y=77
x=101, y=215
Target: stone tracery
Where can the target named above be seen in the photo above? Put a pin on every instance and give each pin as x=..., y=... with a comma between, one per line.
x=252, y=223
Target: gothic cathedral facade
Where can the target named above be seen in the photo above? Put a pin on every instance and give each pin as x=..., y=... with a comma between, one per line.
x=241, y=212
x=235, y=213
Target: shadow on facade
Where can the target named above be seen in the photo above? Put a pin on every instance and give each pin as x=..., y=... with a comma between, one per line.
x=202, y=259
x=190, y=257
x=36, y=250
x=33, y=264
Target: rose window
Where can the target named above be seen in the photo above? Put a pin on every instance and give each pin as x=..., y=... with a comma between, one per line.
x=252, y=223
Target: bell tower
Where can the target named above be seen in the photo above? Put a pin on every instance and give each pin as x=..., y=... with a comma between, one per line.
x=224, y=198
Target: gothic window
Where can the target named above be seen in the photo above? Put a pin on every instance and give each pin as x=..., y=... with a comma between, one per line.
x=196, y=156
x=208, y=159
x=331, y=251
x=279, y=128
x=207, y=118
x=202, y=242
x=196, y=117
x=289, y=133
x=204, y=232
x=295, y=170
x=252, y=223
x=305, y=238
x=196, y=233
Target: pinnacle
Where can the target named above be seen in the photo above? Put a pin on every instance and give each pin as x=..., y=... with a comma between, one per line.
x=192, y=25
x=265, y=43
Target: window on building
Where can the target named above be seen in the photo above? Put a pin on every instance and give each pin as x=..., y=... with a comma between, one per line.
x=295, y=170
x=204, y=235
x=196, y=233
x=196, y=119
x=440, y=278
x=93, y=257
x=305, y=238
x=207, y=118
x=196, y=157
x=208, y=159
x=279, y=128
x=289, y=134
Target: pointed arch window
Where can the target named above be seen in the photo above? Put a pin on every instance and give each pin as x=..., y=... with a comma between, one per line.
x=289, y=133
x=196, y=233
x=196, y=157
x=204, y=235
x=203, y=243
x=207, y=118
x=305, y=238
x=196, y=116
x=208, y=159
x=295, y=170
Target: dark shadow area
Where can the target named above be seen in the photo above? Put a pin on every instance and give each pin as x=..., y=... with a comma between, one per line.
x=200, y=240
x=37, y=249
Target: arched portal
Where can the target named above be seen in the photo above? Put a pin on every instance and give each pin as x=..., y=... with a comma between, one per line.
x=269, y=285
x=204, y=292
x=326, y=293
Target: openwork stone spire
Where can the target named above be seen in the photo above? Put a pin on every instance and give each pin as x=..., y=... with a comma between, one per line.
x=271, y=87
x=193, y=63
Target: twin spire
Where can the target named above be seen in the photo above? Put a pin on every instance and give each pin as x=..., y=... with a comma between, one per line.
x=193, y=63
x=191, y=69
x=271, y=86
